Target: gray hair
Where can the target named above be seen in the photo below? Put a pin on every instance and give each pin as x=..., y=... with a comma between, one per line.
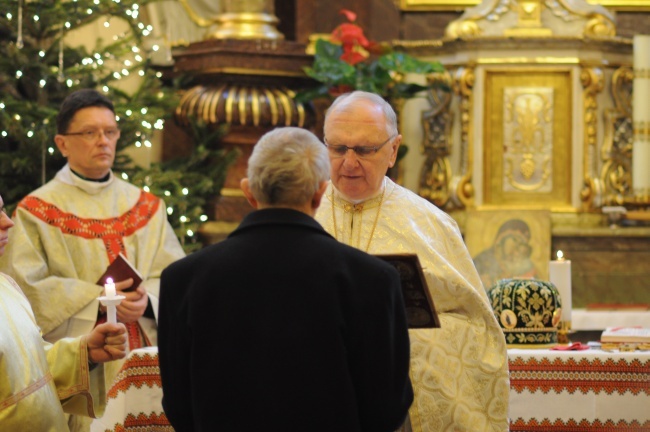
x=287, y=167
x=347, y=99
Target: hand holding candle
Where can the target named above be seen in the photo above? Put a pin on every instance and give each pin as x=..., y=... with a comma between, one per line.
x=560, y=276
x=110, y=300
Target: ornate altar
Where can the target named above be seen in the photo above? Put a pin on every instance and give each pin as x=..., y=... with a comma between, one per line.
x=539, y=112
x=536, y=113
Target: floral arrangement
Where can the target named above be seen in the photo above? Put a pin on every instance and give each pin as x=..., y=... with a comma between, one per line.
x=350, y=61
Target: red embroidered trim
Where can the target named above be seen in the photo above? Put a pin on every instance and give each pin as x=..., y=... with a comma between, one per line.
x=111, y=231
x=139, y=370
x=546, y=425
x=151, y=423
x=583, y=375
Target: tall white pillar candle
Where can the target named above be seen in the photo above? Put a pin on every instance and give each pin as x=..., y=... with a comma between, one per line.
x=641, y=115
x=560, y=276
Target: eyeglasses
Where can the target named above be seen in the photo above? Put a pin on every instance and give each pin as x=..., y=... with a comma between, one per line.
x=94, y=135
x=360, y=151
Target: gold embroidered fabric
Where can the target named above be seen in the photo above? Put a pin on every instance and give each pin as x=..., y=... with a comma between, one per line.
x=57, y=268
x=460, y=371
x=355, y=223
x=36, y=376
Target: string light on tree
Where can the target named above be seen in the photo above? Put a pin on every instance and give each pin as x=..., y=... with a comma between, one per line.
x=52, y=26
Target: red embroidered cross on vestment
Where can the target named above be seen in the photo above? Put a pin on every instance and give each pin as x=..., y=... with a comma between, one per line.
x=111, y=231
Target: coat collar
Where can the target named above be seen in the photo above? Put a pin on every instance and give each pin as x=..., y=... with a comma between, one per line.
x=278, y=216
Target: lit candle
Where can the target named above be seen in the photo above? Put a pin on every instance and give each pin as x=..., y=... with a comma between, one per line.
x=110, y=300
x=109, y=288
x=560, y=276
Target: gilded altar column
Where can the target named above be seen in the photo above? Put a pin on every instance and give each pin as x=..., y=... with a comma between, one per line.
x=641, y=118
x=244, y=75
x=246, y=19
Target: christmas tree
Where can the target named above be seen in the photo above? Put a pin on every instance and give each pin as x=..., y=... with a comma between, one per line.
x=42, y=60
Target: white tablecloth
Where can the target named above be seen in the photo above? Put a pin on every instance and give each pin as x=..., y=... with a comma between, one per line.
x=588, y=390
x=135, y=399
x=550, y=391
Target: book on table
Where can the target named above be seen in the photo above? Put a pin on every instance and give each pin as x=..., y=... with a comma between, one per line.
x=626, y=335
x=420, y=310
x=121, y=269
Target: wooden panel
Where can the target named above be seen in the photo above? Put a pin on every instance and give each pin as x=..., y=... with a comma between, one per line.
x=607, y=269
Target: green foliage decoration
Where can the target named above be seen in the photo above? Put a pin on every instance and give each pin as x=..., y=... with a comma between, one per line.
x=383, y=75
x=346, y=60
x=190, y=183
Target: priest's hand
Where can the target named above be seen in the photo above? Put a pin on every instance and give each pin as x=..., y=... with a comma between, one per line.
x=106, y=342
x=134, y=303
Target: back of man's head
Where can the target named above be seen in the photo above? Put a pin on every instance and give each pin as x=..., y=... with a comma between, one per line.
x=287, y=167
x=76, y=101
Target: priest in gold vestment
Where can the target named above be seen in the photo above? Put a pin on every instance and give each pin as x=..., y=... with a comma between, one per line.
x=70, y=229
x=460, y=371
x=38, y=380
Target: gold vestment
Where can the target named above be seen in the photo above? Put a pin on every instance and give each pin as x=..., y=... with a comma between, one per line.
x=65, y=235
x=39, y=380
x=460, y=371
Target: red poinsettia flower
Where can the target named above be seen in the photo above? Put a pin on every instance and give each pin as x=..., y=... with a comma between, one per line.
x=352, y=39
x=350, y=34
x=347, y=56
x=352, y=57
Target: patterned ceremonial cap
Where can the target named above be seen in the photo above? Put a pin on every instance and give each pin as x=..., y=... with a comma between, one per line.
x=528, y=310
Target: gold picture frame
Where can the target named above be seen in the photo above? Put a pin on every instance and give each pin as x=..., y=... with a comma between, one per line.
x=544, y=180
x=446, y=5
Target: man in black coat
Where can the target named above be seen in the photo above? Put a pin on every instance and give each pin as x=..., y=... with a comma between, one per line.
x=281, y=327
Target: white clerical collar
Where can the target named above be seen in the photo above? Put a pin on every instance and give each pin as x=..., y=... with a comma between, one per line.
x=65, y=175
x=359, y=201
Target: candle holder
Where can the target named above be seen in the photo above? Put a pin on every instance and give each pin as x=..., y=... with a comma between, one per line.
x=111, y=304
x=563, y=331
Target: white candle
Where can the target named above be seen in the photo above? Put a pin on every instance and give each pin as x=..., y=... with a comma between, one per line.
x=109, y=288
x=641, y=115
x=560, y=276
x=111, y=301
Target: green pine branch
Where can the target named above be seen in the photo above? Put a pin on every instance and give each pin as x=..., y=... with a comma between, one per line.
x=33, y=84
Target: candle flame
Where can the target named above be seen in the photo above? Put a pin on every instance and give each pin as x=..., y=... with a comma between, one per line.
x=560, y=255
x=109, y=280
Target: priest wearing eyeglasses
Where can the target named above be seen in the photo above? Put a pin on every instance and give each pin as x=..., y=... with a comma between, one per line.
x=460, y=371
x=68, y=231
